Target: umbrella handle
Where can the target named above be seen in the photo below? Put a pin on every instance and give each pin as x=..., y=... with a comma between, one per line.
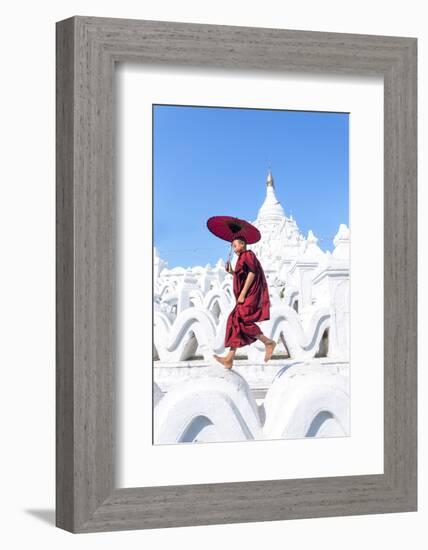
x=230, y=253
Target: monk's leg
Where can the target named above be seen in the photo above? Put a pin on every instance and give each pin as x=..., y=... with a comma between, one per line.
x=227, y=361
x=269, y=345
x=262, y=338
x=231, y=353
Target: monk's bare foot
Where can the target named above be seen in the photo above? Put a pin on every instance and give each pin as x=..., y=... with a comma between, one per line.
x=270, y=346
x=227, y=363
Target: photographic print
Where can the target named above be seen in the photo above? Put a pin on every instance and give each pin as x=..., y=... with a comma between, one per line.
x=251, y=274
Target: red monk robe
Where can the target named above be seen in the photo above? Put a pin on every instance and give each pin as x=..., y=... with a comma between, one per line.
x=241, y=328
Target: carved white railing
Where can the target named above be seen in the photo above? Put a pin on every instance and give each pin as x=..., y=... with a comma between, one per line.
x=199, y=331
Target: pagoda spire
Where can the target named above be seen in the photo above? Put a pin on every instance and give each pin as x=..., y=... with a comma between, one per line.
x=271, y=209
x=269, y=179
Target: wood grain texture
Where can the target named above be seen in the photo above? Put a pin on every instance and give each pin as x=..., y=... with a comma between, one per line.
x=87, y=49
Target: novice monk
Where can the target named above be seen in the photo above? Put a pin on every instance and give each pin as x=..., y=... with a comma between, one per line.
x=252, y=304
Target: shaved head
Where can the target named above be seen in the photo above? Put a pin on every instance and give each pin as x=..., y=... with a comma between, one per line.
x=240, y=239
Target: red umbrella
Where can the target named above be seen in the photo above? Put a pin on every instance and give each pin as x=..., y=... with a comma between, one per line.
x=229, y=228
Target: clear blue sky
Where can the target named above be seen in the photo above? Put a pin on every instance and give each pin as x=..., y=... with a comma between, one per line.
x=211, y=161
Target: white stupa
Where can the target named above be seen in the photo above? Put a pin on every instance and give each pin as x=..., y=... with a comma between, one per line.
x=281, y=238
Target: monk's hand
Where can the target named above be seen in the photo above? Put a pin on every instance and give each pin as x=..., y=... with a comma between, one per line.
x=241, y=299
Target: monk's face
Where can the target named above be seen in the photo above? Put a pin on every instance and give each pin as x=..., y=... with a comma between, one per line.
x=238, y=246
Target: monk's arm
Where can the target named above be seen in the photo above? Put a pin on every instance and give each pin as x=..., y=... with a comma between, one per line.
x=248, y=282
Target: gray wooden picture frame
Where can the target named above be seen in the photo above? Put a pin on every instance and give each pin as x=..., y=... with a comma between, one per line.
x=87, y=50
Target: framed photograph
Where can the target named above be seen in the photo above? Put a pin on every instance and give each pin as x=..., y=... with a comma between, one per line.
x=236, y=284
